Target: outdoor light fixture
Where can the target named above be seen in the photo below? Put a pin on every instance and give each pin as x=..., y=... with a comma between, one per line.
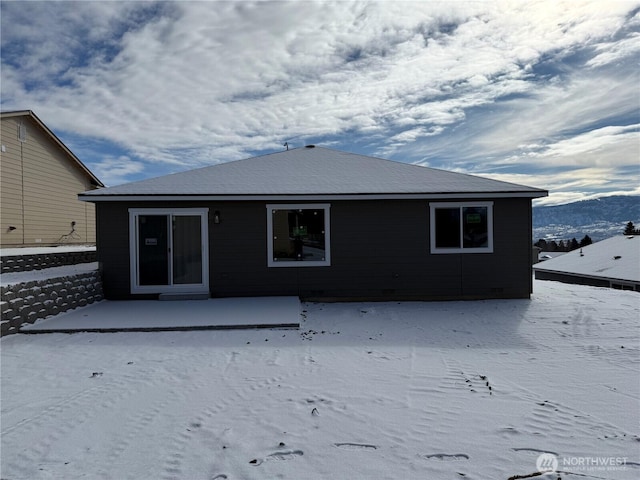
x=216, y=217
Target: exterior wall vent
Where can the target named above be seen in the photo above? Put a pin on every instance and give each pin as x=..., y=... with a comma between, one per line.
x=22, y=133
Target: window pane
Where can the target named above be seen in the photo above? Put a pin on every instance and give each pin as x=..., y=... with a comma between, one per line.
x=298, y=235
x=447, y=227
x=475, y=229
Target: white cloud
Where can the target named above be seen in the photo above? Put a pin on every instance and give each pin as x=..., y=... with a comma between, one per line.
x=612, y=52
x=575, y=184
x=466, y=83
x=601, y=146
x=115, y=170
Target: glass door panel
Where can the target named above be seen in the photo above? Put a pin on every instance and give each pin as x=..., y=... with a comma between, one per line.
x=153, y=245
x=187, y=249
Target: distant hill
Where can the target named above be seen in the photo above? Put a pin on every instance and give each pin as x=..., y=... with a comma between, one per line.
x=601, y=218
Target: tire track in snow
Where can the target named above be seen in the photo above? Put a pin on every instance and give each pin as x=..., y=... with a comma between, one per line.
x=139, y=419
x=438, y=410
x=459, y=378
x=135, y=425
x=62, y=419
x=550, y=418
x=29, y=423
x=76, y=411
x=423, y=399
x=553, y=418
x=203, y=421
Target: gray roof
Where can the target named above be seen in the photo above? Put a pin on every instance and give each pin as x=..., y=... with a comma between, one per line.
x=311, y=171
x=616, y=258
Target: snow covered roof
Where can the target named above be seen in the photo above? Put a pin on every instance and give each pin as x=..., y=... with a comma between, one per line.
x=311, y=171
x=616, y=258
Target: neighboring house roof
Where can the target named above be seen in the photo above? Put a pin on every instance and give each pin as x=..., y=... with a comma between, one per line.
x=313, y=171
x=616, y=258
x=55, y=139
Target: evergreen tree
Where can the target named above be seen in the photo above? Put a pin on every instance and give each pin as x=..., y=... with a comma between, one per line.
x=586, y=241
x=574, y=244
x=542, y=244
x=630, y=229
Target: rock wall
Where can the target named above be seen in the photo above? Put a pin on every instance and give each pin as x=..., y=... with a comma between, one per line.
x=39, y=261
x=31, y=301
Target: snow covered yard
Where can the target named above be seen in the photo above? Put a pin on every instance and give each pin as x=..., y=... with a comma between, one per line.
x=451, y=390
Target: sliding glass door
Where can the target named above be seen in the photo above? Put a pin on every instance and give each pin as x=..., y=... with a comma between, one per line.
x=169, y=250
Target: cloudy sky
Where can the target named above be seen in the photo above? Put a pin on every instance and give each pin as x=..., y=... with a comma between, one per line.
x=543, y=93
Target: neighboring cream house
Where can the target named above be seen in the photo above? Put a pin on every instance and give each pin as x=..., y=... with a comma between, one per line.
x=40, y=179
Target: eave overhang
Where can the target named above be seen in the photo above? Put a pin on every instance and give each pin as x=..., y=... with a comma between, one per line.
x=311, y=197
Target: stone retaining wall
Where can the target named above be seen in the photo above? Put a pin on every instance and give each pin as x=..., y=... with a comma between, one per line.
x=39, y=261
x=31, y=301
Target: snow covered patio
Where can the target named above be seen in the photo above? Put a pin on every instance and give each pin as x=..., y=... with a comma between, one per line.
x=443, y=390
x=154, y=315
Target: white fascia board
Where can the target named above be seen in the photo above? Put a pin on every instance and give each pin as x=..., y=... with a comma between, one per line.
x=306, y=198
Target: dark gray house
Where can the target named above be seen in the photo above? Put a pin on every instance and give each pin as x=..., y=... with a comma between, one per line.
x=317, y=223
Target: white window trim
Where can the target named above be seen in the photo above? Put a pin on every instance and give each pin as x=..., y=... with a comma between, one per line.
x=203, y=287
x=299, y=206
x=435, y=205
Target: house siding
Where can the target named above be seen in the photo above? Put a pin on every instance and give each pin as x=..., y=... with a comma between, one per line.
x=11, y=184
x=39, y=190
x=379, y=250
x=112, y=247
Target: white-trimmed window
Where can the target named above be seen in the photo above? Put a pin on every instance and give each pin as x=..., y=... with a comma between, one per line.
x=461, y=227
x=298, y=235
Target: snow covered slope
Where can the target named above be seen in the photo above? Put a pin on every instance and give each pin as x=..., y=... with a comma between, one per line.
x=599, y=218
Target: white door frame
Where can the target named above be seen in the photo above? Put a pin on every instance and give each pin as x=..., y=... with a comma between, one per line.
x=134, y=214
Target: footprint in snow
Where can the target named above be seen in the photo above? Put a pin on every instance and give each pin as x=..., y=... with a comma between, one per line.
x=534, y=450
x=355, y=446
x=447, y=457
x=281, y=455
